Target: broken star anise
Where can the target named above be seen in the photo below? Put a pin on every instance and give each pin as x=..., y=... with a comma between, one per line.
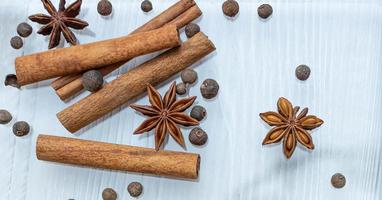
x=59, y=21
x=290, y=127
x=165, y=115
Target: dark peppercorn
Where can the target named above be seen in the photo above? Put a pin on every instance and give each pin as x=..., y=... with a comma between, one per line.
x=21, y=128
x=146, y=6
x=338, y=180
x=230, y=8
x=109, y=194
x=198, y=113
x=189, y=76
x=24, y=29
x=181, y=88
x=265, y=11
x=198, y=136
x=5, y=117
x=135, y=189
x=104, y=7
x=92, y=80
x=11, y=80
x=209, y=88
x=302, y=72
x=16, y=42
x=192, y=29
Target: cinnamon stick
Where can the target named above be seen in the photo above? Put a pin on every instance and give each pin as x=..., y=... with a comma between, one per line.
x=75, y=59
x=133, y=83
x=117, y=157
x=65, y=89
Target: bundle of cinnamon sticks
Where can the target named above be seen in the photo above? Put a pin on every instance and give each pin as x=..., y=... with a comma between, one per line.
x=68, y=64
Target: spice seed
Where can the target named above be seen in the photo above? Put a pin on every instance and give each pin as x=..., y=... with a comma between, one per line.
x=189, y=76
x=230, y=8
x=92, y=80
x=21, y=128
x=198, y=136
x=302, y=72
x=5, y=117
x=109, y=194
x=104, y=7
x=16, y=42
x=146, y=6
x=192, y=29
x=24, y=29
x=209, y=88
x=11, y=80
x=198, y=113
x=338, y=180
x=265, y=11
x=181, y=88
x=135, y=189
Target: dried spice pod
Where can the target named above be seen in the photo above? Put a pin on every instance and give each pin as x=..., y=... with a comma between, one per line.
x=146, y=6
x=16, y=42
x=24, y=29
x=192, y=29
x=230, y=8
x=135, y=189
x=104, y=7
x=21, y=128
x=109, y=194
x=265, y=10
x=198, y=136
x=11, y=80
x=5, y=116
x=290, y=126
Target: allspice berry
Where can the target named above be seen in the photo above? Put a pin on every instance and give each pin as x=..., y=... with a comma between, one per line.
x=135, y=189
x=24, y=29
x=198, y=136
x=181, y=88
x=146, y=6
x=104, y=7
x=302, y=72
x=21, y=128
x=230, y=8
x=192, y=29
x=109, y=194
x=338, y=180
x=5, y=117
x=209, y=88
x=11, y=80
x=92, y=80
x=16, y=42
x=189, y=76
x=198, y=113
x=265, y=11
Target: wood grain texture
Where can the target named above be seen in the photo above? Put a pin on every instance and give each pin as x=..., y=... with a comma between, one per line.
x=134, y=82
x=75, y=59
x=118, y=157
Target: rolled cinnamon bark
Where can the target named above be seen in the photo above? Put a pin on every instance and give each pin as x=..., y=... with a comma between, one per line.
x=117, y=157
x=134, y=82
x=66, y=89
x=71, y=60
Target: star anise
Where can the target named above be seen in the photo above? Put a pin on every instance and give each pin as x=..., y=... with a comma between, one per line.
x=165, y=115
x=59, y=21
x=290, y=127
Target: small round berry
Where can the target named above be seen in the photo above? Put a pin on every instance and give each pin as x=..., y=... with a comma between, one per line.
x=302, y=72
x=181, y=88
x=146, y=6
x=5, y=117
x=135, y=189
x=24, y=29
x=198, y=113
x=209, y=88
x=230, y=8
x=338, y=180
x=92, y=80
x=104, y=7
x=198, y=136
x=265, y=11
x=16, y=42
x=21, y=128
x=192, y=29
x=189, y=76
x=109, y=194
x=11, y=80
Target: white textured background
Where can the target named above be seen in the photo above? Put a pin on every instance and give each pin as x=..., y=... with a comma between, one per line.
x=254, y=64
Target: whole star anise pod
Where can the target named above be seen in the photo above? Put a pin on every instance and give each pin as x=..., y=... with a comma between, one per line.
x=165, y=115
x=59, y=21
x=290, y=127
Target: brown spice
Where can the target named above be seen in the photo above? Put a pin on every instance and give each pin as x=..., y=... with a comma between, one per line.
x=230, y=8
x=92, y=80
x=5, y=117
x=265, y=11
x=24, y=29
x=192, y=29
x=135, y=189
x=146, y=6
x=198, y=136
x=11, y=80
x=302, y=72
x=104, y=7
x=16, y=42
x=209, y=88
x=109, y=194
x=338, y=180
x=21, y=128
x=198, y=113
x=181, y=88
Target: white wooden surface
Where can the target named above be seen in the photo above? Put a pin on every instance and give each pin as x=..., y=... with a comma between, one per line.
x=254, y=64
